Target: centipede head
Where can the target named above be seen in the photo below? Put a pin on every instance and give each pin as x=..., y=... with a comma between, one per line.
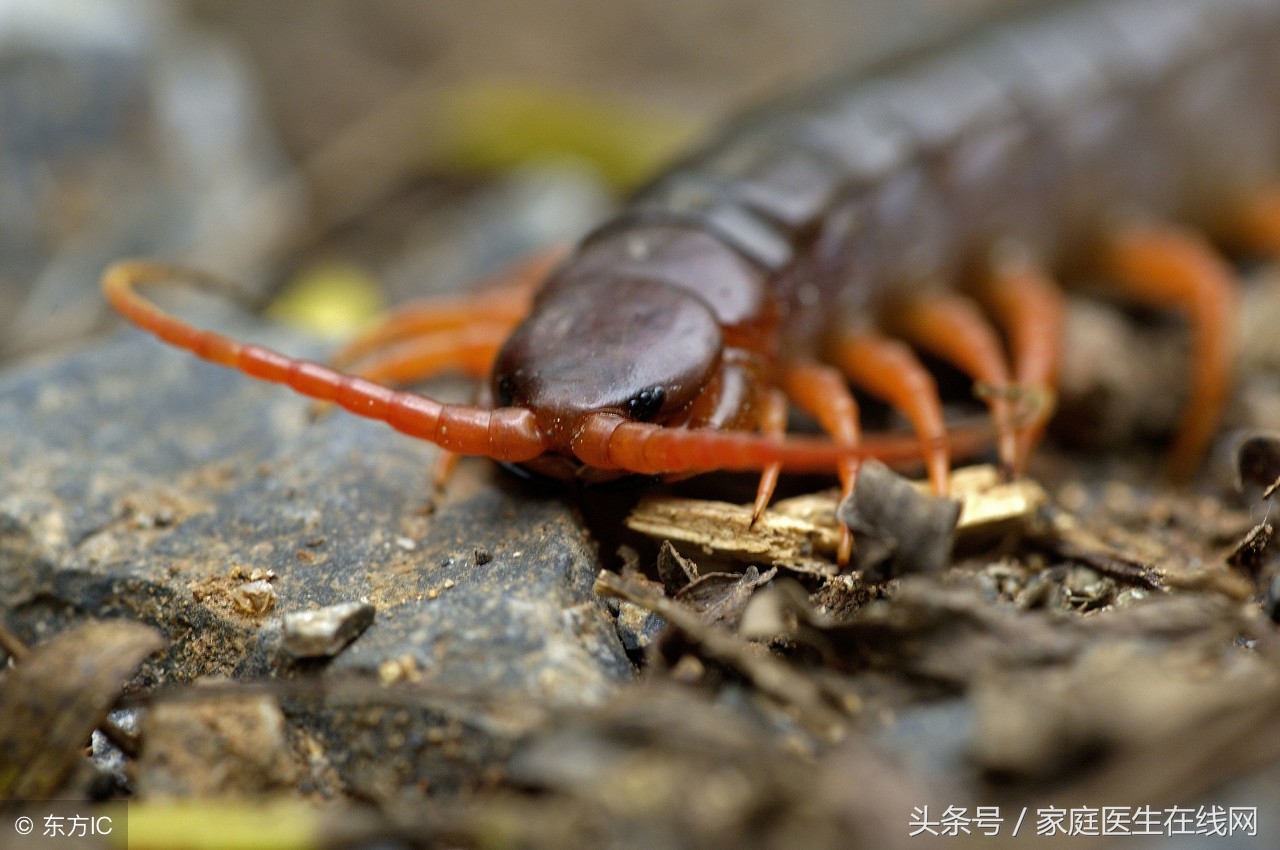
x=648, y=353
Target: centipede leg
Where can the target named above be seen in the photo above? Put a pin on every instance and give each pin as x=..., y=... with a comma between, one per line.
x=469, y=351
x=773, y=422
x=952, y=328
x=1175, y=268
x=1031, y=311
x=889, y=370
x=505, y=302
x=821, y=392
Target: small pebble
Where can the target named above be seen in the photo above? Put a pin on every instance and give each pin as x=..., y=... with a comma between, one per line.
x=255, y=597
x=404, y=668
x=325, y=632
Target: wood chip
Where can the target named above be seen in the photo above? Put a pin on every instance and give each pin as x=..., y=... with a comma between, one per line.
x=722, y=529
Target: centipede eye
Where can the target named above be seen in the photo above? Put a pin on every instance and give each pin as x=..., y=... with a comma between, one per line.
x=645, y=404
x=506, y=391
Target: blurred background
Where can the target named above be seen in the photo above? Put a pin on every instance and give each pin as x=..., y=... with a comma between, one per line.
x=340, y=155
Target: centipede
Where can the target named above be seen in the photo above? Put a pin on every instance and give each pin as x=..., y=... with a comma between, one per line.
x=809, y=253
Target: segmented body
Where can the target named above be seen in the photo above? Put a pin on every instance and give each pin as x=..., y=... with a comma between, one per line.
x=673, y=323
x=828, y=208
x=1036, y=131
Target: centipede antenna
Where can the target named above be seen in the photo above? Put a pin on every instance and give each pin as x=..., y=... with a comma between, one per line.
x=608, y=441
x=507, y=434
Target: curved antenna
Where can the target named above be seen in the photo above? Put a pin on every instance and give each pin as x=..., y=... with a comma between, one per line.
x=507, y=434
x=609, y=441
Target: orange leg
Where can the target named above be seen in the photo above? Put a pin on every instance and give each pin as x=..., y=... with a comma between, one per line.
x=1257, y=224
x=420, y=318
x=1030, y=308
x=505, y=302
x=889, y=370
x=821, y=392
x=468, y=350
x=951, y=327
x=1177, y=268
x=773, y=422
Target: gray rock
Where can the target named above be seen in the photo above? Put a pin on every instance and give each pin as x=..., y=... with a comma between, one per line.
x=139, y=482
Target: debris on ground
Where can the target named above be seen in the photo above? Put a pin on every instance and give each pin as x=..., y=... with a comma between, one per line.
x=896, y=529
x=55, y=696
